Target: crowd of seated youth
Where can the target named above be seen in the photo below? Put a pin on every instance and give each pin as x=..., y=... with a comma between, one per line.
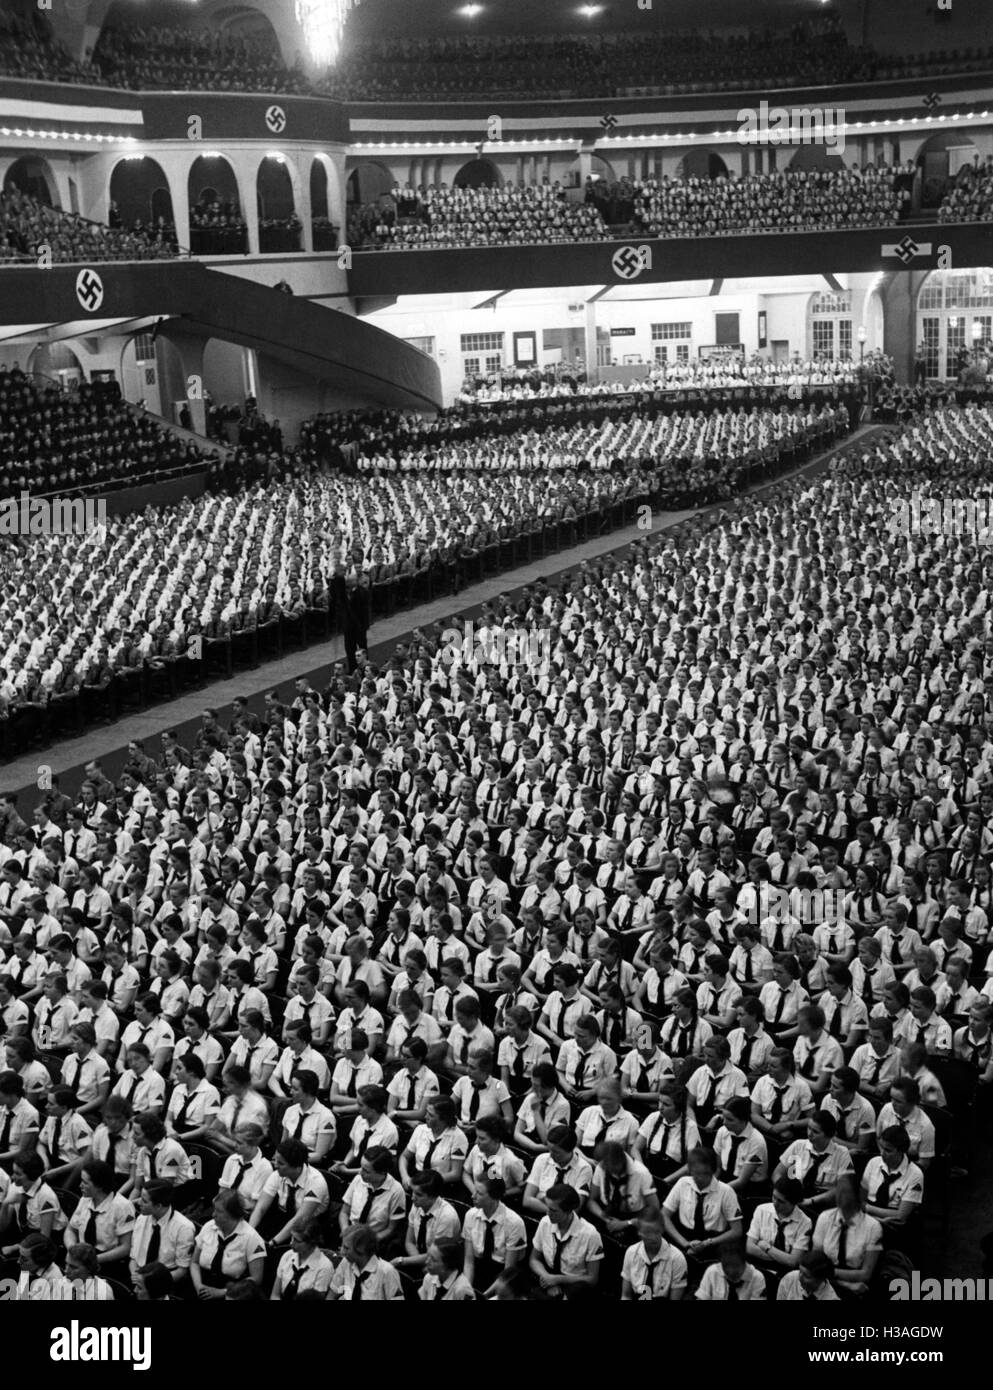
x=193, y=58
x=615, y=64
x=145, y=58
x=143, y=587
x=53, y=440
x=30, y=229
x=791, y=200
x=655, y=966
x=970, y=198
x=703, y=374
x=442, y=217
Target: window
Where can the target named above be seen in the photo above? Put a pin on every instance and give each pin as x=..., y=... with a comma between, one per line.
x=946, y=304
x=482, y=342
x=680, y=353
x=830, y=324
x=839, y=303
x=471, y=366
x=422, y=344
x=144, y=348
x=668, y=331
x=931, y=337
x=823, y=339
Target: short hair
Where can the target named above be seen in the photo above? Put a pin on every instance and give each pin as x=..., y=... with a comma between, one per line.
x=100, y=1174
x=896, y=1137
x=293, y=1152
x=158, y=1280
x=376, y=1097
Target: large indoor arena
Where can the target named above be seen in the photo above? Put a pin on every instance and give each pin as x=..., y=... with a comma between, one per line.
x=496, y=687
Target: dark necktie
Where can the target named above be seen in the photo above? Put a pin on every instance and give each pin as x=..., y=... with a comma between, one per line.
x=422, y=1232
x=489, y=1239
x=350, y=1089
x=298, y=1132
x=411, y=1093
x=809, y=1068
x=699, y=1226
x=877, y=1068
x=291, y=1201
x=728, y=1173
x=882, y=1197
x=780, y=1006
x=368, y=1205
x=240, y=1178
x=705, y=1108
x=780, y=1242
x=217, y=1263
x=560, y=1244
x=475, y=1099
x=90, y=1229
x=813, y=1172
x=733, y=1286
x=54, y=1145
x=293, y=1283
x=776, y=1109
x=835, y=1026
x=179, y=1123
x=73, y=1081
x=518, y=1067
x=564, y=1007
x=842, y=1259
x=154, y=1243
x=745, y=1060
x=749, y=972
x=895, y=957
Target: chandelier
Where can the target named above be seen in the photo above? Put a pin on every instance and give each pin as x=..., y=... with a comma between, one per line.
x=323, y=23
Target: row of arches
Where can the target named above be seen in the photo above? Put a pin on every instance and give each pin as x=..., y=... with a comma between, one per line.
x=140, y=191
x=939, y=158
x=140, y=188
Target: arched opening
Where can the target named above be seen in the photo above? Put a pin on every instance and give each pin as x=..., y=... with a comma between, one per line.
x=955, y=322
x=830, y=328
x=140, y=371
x=139, y=194
x=478, y=173
x=809, y=157
x=230, y=381
x=217, y=227
x=368, y=182
x=601, y=171
x=34, y=177
x=940, y=162
x=279, y=226
x=57, y=361
x=702, y=164
x=323, y=230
